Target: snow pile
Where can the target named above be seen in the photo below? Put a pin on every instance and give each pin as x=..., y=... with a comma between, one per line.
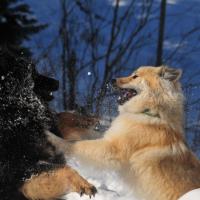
x=108, y=184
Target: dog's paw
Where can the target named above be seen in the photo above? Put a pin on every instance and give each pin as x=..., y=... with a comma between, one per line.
x=82, y=186
x=55, y=184
x=88, y=189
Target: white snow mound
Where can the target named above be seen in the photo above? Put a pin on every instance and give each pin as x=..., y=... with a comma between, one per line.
x=108, y=184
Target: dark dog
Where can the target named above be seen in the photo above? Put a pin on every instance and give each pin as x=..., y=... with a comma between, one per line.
x=30, y=166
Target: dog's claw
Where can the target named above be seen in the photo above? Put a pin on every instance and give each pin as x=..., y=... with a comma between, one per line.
x=82, y=192
x=94, y=191
x=91, y=191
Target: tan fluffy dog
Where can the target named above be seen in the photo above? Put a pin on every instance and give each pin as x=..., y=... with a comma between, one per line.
x=146, y=141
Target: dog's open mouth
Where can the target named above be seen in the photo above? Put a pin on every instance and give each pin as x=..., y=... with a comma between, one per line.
x=125, y=94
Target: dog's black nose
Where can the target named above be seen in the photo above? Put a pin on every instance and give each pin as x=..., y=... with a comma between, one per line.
x=46, y=83
x=113, y=82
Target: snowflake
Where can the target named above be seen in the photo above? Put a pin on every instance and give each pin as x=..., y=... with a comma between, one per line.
x=89, y=73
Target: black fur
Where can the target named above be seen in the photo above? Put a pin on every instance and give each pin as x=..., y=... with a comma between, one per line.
x=24, y=115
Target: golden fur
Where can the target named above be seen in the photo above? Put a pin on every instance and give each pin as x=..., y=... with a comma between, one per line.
x=147, y=148
x=56, y=183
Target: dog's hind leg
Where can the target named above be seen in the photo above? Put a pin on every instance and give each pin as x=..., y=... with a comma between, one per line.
x=56, y=183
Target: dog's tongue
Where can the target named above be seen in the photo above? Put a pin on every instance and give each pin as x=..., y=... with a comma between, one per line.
x=128, y=94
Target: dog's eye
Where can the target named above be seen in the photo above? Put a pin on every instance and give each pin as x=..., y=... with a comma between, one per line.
x=134, y=76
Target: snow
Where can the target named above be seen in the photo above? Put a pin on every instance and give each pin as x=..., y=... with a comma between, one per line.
x=173, y=2
x=108, y=183
x=173, y=45
x=121, y=2
x=192, y=195
x=89, y=73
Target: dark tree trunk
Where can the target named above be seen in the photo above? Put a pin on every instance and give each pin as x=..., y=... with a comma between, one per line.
x=72, y=81
x=63, y=33
x=159, y=59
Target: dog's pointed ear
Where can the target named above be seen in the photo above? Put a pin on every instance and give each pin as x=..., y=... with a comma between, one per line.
x=170, y=74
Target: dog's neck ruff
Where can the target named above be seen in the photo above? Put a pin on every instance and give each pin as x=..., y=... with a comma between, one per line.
x=149, y=113
x=191, y=195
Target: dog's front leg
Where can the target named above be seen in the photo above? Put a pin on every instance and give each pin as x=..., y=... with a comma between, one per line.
x=101, y=152
x=59, y=143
